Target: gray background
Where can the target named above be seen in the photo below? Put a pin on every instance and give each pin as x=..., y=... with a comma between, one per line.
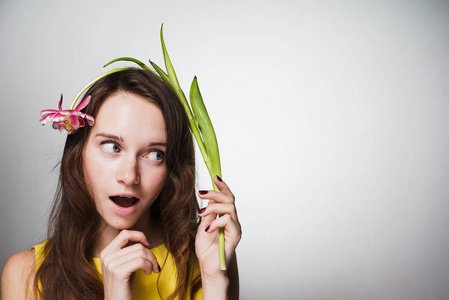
x=331, y=118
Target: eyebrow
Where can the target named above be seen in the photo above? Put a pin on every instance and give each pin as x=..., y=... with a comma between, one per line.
x=152, y=144
x=109, y=136
x=119, y=138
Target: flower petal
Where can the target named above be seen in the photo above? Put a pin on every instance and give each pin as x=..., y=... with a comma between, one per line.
x=75, y=124
x=83, y=103
x=48, y=111
x=45, y=118
x=90, y=120
x=70, y=112
x=60, y=103
x=57, y=125
x=82, y=122
x=57, y=118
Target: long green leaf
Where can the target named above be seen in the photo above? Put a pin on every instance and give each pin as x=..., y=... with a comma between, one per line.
x=168, y=65
x=206, y=129
x=138, y=62
x=211, y=145
x=161, y=72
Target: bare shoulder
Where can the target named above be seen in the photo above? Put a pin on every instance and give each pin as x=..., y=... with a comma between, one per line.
x=18, y=276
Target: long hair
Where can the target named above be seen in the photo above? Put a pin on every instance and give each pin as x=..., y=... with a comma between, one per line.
x=74, y=226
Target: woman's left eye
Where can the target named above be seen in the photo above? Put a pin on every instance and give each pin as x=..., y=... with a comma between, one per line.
x=156, y=155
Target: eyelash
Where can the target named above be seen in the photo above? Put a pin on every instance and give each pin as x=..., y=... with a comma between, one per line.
x=114, y=143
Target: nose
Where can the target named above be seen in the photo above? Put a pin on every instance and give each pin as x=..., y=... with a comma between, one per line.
x=128, y=173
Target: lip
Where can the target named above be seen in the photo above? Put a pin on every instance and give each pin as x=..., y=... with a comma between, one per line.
x=125, y=211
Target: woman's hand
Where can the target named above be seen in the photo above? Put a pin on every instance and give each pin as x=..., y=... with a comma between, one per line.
x=119, y=262
x=206, y=244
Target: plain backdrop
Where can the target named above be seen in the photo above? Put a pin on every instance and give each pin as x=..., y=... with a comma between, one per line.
x=331, y=116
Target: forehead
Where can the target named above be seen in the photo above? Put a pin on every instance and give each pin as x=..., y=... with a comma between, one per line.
x=126, y=113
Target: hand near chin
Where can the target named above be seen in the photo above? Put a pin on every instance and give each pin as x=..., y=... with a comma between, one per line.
x=119, y=262
x=206, y=244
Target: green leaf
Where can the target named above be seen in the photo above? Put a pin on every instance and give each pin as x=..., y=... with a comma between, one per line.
x=206, y=129
x=161, y=72
x=138, y=62
x=168, y=65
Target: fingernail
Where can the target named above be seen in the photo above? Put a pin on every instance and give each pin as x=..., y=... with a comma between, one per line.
x=202, y=192
x=159, y=267
x=219, y=179
x=201, y=210
x=207, y=228
x=149, y=241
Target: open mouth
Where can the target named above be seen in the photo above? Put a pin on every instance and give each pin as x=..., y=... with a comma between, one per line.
x=124, y=201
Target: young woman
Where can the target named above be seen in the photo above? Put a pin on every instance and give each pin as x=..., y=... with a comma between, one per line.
x=125, y=223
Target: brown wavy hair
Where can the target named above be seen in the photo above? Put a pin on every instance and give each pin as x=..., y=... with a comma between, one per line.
x=74, y=226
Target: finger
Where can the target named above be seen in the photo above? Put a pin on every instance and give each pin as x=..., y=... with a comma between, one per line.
x=131, y=266
x=217, y=196
x=222, y=185
x=150, y=264
x=123, y=238
x=218, y=208
x=119, y=257
x=226, y=222
x=209, y=218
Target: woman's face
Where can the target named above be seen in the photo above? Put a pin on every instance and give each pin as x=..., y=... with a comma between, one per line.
x=124, y=159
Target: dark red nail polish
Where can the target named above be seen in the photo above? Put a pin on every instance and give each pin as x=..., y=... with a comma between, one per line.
x=207, y=228
x=159, y=267
x=219, y=179
x=202, y=192
x=201, y=210
x=148, y=240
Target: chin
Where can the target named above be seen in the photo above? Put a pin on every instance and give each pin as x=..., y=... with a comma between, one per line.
x=121, y=224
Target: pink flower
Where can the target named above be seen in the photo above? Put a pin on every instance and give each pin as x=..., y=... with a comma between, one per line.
x=69, y=119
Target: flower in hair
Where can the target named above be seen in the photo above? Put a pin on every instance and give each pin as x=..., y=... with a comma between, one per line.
x=70, y=119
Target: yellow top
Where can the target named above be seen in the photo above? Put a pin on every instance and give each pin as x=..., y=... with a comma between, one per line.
x=144, y=286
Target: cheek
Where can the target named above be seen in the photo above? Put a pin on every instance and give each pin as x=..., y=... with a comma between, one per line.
x=157, y=179
x=93, y=174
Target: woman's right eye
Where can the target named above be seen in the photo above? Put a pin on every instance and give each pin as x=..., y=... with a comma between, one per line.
x=110, y=147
